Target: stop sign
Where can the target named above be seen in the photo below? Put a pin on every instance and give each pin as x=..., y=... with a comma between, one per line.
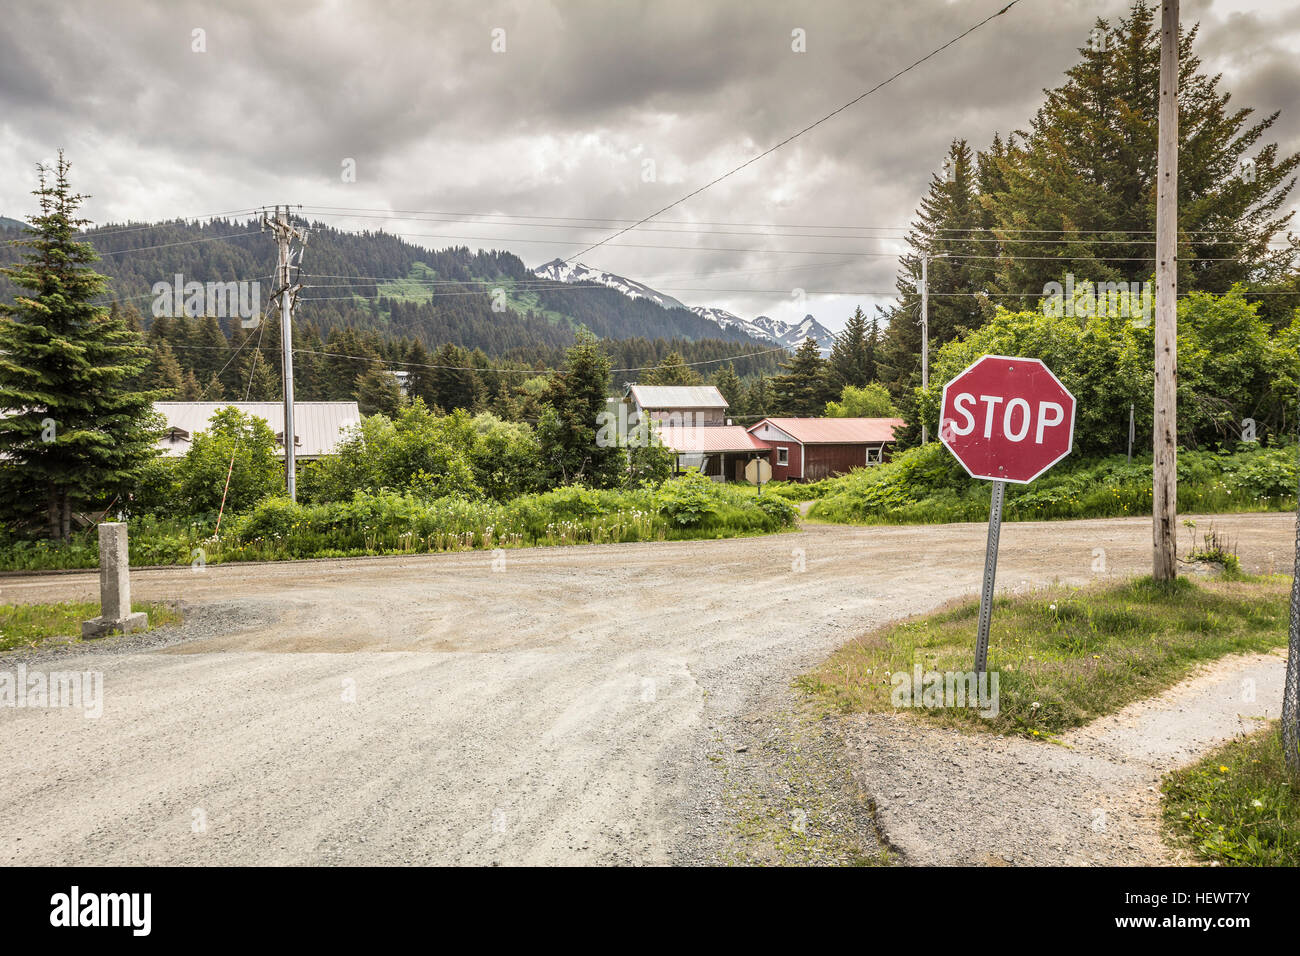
x=1007, y=419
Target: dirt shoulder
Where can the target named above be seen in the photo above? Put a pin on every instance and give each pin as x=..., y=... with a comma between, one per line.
x=946, y=797
x=434, y=710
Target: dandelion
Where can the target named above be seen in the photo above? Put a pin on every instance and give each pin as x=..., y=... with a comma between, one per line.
x=1222, y=769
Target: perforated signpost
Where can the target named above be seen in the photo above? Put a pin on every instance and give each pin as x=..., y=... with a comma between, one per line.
x=1005, y=419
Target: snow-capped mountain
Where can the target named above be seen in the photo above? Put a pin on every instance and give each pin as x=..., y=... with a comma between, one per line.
x=792, y=336
x=557, y=270
x=727, y=320
x=762, y=328
x=772, y=330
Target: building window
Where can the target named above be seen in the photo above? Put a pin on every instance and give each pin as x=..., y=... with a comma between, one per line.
x=873, y=455
x=782, y=455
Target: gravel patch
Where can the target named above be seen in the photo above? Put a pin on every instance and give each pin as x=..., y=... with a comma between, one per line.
x=947, y=797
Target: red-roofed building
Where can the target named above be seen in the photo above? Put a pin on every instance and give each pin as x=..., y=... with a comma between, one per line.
x=807, y=449
x=719, y=451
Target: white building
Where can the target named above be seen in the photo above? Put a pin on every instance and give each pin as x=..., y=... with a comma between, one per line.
x=319, y=426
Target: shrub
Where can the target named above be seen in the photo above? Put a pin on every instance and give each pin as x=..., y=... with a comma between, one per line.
x=687, y=500
x=927, y=484
x=200, y=476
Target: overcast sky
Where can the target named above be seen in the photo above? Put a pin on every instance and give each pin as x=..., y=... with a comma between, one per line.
x=562, y=122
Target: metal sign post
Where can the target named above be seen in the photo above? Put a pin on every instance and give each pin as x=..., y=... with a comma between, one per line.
x=1130, y=432
x=1005, y=419
x=990, y=572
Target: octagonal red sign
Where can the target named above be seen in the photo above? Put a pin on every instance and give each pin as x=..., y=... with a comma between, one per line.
x=1007, y=419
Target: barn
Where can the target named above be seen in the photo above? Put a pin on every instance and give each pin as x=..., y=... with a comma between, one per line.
x=806, y=449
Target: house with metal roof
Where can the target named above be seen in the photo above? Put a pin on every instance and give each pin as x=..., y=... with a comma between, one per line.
x=679, y=404
x=807, y=449
x=319, y=426
x=719, y=451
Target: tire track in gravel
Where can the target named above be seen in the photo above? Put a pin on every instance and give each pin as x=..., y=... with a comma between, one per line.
x=563, y=710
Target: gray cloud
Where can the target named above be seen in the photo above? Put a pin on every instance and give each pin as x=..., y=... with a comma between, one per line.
x=561, y=123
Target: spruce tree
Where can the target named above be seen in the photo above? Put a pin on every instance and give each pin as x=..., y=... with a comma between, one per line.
x=576, y=395
x=672, y=370
x=419, y=377
x=191, y=391
x=162, y=373
x=378, y=392
x=949, y=230
x=1085, y=172
x=75, y=436
x=214, y=391
x=804, y=388
x=851, y=359
x=726, y=381
x=452, y=378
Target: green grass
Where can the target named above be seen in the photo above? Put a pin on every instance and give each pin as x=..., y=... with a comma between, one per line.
x=927, y=486
x=1064, y=655
x=1238, y=806
x=29, y=625
x=687, y=507
x=421, y=281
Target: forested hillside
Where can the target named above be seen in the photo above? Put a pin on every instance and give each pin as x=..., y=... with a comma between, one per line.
x=376, y=282
x=466, y=326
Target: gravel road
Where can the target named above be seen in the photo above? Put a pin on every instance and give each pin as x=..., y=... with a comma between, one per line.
x=602, y=704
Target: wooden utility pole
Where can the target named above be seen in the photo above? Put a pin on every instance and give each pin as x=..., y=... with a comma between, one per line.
x=1291, y=685
x=1164, y=497
x=925, y=335
x=285, y=233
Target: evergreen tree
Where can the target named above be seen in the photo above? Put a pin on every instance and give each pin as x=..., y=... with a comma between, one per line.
x=419, y=377
x=259, y=382
x=214, y=391
x=852, y=360
x=452, y=379
x=726, y=381
x=1085, y=171
x=378, y=392
x=758, y=399
x=803, y=390
x=209, y=348
x=347, y=355
x=948, y=230
x=191, y=391
x=76, y=436
x=673, y=370
x=162, y=373
x=577, y=394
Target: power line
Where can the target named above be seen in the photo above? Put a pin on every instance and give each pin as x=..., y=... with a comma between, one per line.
x=187, y=242
x=475, y=368
x=96, y=233
x=906, y=228
x=791, y=138
x=807, y=235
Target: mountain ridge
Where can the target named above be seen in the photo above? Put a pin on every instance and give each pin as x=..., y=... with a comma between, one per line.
x=762, y=328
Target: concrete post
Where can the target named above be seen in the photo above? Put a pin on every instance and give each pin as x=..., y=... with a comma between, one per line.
x=114, y=587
